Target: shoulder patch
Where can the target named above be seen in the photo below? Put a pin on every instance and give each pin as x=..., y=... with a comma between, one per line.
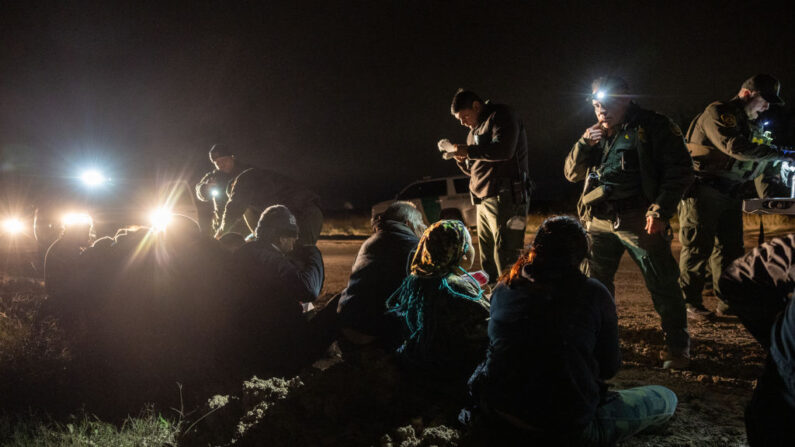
x=728, y=119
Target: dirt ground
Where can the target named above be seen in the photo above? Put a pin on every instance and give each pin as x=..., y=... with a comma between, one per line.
x=712, y=393
x=359, y=398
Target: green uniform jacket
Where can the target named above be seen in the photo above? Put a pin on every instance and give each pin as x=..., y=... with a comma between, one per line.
x=663, y=163
x=721, y=142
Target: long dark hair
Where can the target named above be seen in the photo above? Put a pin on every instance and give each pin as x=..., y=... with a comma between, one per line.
x=559, y=247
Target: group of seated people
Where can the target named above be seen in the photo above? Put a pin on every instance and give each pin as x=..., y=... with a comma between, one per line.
x=534, y=356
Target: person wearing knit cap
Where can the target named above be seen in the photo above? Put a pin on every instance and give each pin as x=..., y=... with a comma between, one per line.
x=278, y=276
x=443, y=314
x=553, y=342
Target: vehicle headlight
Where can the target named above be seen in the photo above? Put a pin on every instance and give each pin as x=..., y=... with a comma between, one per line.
x=13, y=226
x=160, y=218
x=92, y=178
x=69, y=219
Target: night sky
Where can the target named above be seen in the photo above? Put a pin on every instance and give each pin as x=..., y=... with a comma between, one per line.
x=350, y=97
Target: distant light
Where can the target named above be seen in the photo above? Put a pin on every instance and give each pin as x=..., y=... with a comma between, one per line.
x=215, y=192
x=13, y=226
x=160, y=218
x=92, y=178
x=600, y=95
x=766, y=123
x=70, y=219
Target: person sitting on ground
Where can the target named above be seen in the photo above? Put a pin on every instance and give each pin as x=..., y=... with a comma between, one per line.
x=758, y=288
x=553, y=342
x=277, y=276
x=379, y=269
x=443, y=314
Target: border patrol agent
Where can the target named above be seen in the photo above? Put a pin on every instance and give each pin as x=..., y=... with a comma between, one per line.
x=495, y=159
x=636, y=167
x=729, y=151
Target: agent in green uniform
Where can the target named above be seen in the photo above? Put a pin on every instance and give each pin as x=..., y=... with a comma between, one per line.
x=729, y=154
x=635, y=166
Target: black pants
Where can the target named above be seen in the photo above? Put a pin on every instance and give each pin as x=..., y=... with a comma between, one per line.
x=769, y=420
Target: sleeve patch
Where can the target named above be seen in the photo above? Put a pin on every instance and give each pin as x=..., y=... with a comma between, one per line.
x=729, y=120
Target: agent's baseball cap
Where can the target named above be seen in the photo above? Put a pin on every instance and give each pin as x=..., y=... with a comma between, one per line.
x=220, y=150
x=767, y=86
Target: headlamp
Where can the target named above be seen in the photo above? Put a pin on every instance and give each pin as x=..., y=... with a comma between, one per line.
x=600, y=95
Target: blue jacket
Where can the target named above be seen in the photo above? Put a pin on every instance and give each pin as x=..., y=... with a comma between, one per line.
x=551, y=347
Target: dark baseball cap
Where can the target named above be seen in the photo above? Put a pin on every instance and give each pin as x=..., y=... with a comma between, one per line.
x=276, y=219
x=767, y=86
x=220, y=150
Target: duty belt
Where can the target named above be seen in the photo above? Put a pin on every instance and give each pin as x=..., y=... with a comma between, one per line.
x=722, y=185
x=610, y=209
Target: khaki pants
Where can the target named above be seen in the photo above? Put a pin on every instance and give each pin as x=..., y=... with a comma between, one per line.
x=501, y=226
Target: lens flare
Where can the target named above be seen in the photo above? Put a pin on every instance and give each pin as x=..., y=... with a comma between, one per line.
x=13, y=226
x=600, y=95
x=215, y=192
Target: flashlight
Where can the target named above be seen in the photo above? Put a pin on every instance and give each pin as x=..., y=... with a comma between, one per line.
x=92, y=178
x=13, y=226
x=160, y=218
x=70, y=219
x=215, y=192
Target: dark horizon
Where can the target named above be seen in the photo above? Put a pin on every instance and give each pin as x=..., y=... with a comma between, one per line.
x=350, y=100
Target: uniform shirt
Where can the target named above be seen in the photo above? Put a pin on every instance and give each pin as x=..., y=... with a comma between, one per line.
x=497, y=151
x=648, y=151
x=721, y=142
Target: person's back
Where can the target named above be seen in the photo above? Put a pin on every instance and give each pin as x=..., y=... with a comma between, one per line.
x=379, y=268
x=553, y=341
x=550, y=344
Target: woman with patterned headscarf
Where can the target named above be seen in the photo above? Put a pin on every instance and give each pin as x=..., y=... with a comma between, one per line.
x=443, y=310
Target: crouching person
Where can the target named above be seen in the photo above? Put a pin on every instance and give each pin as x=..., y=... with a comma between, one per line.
x=277, y=276
x=443, y=313
x=553, y=342
x=379, y=269
x=758, y=288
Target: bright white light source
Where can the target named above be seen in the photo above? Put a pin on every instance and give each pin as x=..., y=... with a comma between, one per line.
x=13, y=226
x=160, y=218
x=92, y=177
x=600, y=95
x=766, y=123
x=69, y=219
x=215, y=192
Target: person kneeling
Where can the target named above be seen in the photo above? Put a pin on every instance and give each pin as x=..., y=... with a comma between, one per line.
x=553, y=341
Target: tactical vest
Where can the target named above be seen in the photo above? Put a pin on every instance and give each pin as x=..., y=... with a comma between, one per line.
x=620, y=167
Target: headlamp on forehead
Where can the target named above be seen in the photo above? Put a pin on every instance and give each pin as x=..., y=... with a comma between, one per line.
x=600, y=95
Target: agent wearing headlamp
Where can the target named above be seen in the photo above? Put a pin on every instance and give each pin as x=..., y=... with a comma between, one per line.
x=637, y=167
x=214, y=186
x=728, y=157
